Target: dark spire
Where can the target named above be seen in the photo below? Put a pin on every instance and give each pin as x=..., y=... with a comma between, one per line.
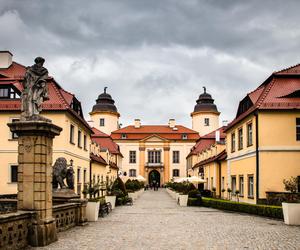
x=105, y=103
x=205, y=103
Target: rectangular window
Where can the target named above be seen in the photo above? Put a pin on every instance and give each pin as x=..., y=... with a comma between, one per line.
x=250, y=186
x=240, y=133
x=298, y=129
x=233, y=142
x=211, y=182
x=206, y=121
x=84, y=176
x=233, y=184
x=79, y=139
x=249, y=134
x=72, y=134
x=78, y=175
x=132, y=173
x=175, y=156
x=175, y=172
x=14, y=135
x=102, y=123
x=154, y=156
x=84, y=142
x=132, y=156
x=241, y=185
x=13, y=173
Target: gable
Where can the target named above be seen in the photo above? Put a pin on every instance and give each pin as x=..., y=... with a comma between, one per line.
x=154, y=138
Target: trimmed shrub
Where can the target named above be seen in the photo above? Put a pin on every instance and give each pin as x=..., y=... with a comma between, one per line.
x=119, y=184
x=193, y=202
x=194, y=193
x=206, y=193
x=262, y=210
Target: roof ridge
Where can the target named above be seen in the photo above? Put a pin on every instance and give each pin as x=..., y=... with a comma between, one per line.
x=264, y=94
x=280, y=71
x=60, y=96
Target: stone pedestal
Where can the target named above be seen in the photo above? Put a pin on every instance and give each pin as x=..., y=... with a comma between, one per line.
x=35, y=140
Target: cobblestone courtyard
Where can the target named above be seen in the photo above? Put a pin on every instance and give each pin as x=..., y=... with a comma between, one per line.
x=155, y=221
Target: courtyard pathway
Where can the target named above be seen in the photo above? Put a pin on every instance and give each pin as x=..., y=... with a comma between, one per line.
x=155, y=221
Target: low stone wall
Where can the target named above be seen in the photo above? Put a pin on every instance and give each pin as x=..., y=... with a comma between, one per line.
x=14, y=229
x=65, y=216
x=276, y=198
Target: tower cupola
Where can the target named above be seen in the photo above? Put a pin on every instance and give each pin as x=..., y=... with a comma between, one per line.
x=205, y=117
x=104, y=114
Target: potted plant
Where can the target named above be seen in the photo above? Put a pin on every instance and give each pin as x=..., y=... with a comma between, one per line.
x=223, y=191
x=237, y=192
x=228, y=193
x=183, y=196
x=92, y=208
x=291, y=208
x=110, y=196
x=214, y=192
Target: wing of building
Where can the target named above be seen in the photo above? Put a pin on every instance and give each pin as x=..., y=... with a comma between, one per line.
x=263, y=141
x=63, y=108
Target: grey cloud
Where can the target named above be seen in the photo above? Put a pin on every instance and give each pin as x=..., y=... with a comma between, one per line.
x=155, y=56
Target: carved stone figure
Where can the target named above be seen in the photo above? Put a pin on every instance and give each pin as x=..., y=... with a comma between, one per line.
x=59, y=173
x=70, y=177
x=35, y=90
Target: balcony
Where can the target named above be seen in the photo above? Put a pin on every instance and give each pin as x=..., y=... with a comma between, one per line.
x=154, y=165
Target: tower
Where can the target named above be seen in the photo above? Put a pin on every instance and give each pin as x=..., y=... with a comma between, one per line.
x=205, y=117
x=104, y=114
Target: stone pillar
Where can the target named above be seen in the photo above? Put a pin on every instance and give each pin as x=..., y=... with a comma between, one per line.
x=35, y=140
x=167, y=163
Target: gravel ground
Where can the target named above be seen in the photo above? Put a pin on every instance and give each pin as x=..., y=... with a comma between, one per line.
x=155, y=221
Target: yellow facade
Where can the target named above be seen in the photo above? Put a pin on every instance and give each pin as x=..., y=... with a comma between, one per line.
x=61, y=148
x=198, y=122
x=110, y=119
x=276, y=158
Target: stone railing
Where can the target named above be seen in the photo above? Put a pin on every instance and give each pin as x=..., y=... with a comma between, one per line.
x=8, y=205
x=14, y=229
x=65, y=216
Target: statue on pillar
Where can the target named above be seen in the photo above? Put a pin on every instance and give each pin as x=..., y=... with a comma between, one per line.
x=35, y=91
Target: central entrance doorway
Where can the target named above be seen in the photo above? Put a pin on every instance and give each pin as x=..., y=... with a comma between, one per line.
x=154, y=178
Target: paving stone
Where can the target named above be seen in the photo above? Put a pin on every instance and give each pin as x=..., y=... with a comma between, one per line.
x=155, y=221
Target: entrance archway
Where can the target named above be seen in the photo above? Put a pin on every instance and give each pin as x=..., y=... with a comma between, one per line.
x=154, y=177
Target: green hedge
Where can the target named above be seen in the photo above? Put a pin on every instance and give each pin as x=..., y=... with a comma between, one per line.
x=262, y=210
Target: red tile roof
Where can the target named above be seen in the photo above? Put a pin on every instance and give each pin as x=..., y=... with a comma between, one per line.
x=98, y=159
x=163, y=131
x=206, y=141
x=105, y=141
x=59, y=99
x=278, y=92
x=219, y=157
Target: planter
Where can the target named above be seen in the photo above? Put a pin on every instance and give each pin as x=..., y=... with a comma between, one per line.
x=291, y=213
x=92, y=211
x=177, y=197
x=111, y=199
x=183, y=200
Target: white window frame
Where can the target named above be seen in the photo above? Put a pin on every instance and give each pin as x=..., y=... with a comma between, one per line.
x=102, y=122
x=176, y=157
x=206, y=121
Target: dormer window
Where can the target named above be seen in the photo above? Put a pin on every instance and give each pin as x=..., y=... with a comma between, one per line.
x=76, y=106
x=184, y=136
x=124, y=136
x=7, y=92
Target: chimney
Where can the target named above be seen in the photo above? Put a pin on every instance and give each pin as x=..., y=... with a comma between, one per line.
x=225, y=123
x=172, y=123
x=217, y=135
x=137, y=123
x=5, y=59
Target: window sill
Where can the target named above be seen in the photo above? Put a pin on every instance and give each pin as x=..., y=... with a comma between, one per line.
x=250, y=197
x=13, y=139
x=242, y=196
x=79, y=147
x=14, y=183
x=249, y=145
x=72, y=143
x=240, y=149
x=132, y=162
x=85, y=149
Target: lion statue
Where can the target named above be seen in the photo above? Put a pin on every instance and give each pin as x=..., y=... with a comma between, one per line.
x=61, y=172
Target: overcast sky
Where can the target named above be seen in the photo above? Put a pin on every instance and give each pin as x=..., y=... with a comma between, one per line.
x=155, y=55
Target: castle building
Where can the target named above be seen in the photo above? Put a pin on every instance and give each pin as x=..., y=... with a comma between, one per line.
x=156, y=152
